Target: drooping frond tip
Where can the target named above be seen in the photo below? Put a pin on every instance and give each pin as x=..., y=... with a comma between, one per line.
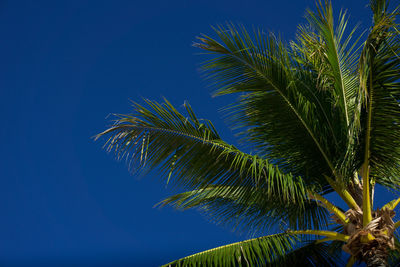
x=189, y=152
x=207, y=43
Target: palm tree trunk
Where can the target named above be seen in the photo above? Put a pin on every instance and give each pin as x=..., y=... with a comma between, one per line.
x=377, y=260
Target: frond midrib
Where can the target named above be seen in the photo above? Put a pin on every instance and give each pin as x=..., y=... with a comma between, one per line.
x=225, y=246
x=175, y=132
x=328, y=161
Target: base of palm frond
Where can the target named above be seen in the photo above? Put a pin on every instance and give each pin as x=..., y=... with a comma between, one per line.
x=370, y=244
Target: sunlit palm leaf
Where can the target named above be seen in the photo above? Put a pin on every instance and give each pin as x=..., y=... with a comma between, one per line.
x=253, y=252
x=279, y=110
x=191, y=152
x=273, y=250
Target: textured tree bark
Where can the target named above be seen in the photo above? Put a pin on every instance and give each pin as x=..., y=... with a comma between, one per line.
x=370, y=244
x=377, y=260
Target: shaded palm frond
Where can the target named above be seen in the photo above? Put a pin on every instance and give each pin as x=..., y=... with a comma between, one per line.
x=312, y=253
x=338, y=56
x=394, y=255
x=333, y=55
x=249, y=208
x=380, y=90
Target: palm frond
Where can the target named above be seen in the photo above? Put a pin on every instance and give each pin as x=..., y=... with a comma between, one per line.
x=250, y=209
x=278, y=111
x=394, y=255
x=340, y=55
x=191, y=151
x=380, y=85
x=253, y=252
x=313, y=253
x=333, y=54
x=273, y=250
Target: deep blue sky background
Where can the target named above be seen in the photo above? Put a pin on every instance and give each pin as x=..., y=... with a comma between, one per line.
x=65, y=65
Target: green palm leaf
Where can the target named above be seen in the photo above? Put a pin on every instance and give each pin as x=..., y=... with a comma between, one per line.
x=340, y=57
x=253, y=252
x=191, y=151
x=334, y=56
x=312, y=253
x=279, y=111
x=380, y=85
x=248, y=208
x=273, y=250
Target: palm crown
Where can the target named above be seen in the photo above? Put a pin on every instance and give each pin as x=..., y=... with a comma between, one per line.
x=321, y=114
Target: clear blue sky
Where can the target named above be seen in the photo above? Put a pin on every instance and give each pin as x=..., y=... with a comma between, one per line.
x=65, y=65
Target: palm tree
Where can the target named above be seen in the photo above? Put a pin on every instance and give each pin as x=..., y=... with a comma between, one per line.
x=320, y=114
